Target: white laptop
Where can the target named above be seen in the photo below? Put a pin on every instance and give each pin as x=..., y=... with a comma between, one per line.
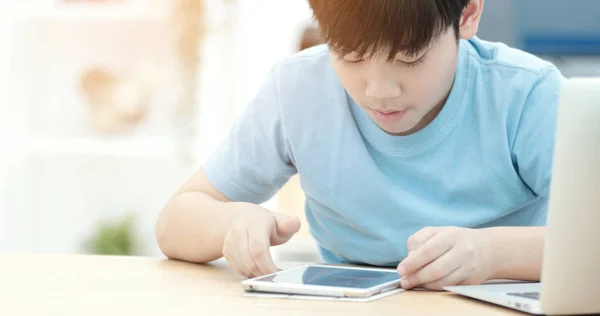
x=570, y=280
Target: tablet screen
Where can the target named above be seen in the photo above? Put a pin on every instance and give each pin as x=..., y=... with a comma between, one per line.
x=336, y=277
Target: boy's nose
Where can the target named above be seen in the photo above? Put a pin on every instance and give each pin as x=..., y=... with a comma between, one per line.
x=382, y=89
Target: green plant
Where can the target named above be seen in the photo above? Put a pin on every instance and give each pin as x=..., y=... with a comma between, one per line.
x=114, y=238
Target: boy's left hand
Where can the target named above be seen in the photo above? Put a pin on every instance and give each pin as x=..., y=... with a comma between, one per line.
x=442, y=256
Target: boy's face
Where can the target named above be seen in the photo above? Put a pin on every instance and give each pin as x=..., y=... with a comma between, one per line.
x=405, y=95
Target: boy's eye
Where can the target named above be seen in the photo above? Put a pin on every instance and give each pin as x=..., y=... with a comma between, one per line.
x=413, y=63
x=353, y=61
x=351, y=58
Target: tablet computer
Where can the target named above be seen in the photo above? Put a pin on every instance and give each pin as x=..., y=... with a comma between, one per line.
x=325, y=280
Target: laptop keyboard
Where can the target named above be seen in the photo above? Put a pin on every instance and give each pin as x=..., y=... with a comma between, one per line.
x=532, y=295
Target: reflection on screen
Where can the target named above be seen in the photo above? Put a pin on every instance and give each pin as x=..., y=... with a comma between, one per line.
x=325, y=276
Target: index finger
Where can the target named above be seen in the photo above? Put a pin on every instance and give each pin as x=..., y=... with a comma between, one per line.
x=258, y=245
x=430, y=251
x=418, y=239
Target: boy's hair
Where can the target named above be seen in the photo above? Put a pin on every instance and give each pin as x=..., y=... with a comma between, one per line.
x=370, y=27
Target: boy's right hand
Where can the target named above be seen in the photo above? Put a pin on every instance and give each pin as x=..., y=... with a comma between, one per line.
x=246, y=246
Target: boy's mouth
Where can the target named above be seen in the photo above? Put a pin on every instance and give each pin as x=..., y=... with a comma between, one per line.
x=389, y=116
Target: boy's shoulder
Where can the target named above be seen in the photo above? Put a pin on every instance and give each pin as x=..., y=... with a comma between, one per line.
x=314, y=55
x=310, y=67
x=305, y=77
x=499, y=57
x=513, y=80
x=515, y=86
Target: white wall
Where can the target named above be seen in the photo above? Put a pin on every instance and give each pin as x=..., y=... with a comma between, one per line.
x=238, y=59
x=55, y=190
x=4, y=62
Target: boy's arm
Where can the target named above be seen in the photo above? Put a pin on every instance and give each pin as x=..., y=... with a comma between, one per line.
x=193, y=224
x=518, y=250
x=248, y=168
x=440, y=256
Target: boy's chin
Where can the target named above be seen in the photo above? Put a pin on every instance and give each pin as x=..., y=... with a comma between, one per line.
x=399, y=130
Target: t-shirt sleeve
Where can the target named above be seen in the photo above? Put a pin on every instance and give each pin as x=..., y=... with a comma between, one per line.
x=533, y=146
x=253, y=161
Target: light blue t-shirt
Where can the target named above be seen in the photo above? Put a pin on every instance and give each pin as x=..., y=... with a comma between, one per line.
x=485, y=160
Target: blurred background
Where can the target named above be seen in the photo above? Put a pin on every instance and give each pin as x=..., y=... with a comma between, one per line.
x=107, y=106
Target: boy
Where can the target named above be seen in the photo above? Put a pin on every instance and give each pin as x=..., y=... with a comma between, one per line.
x=418, y=146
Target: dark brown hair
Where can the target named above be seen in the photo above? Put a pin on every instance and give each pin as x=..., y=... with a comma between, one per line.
x=369, y=27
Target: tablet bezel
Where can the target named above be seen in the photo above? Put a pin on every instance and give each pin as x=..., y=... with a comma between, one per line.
x=256, y=285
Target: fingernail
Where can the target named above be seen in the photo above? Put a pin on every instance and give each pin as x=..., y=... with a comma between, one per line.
x=401, y=270
x=405, y=283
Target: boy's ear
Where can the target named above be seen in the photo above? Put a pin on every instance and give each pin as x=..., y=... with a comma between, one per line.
x=469, y=21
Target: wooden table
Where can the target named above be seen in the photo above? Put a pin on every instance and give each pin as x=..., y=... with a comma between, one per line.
x=97, y=285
